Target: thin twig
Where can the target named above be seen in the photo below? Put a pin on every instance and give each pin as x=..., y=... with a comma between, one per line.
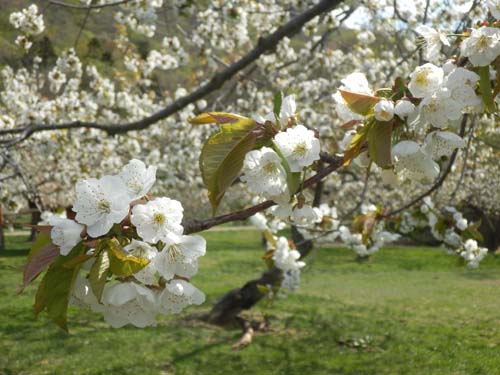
x=438, y=182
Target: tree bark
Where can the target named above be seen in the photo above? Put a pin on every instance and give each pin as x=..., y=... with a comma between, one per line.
x=36, y=215
x=2, y=237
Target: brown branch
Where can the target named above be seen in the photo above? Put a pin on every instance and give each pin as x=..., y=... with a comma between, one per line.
x=439, y=182
x=88, y=7
x=193, y=226
x=264, y=45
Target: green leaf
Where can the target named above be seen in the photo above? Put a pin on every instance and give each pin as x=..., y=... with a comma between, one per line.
x=379, y=143
x=357, y=143
x=42, y=254
x=359, y=103
x=121, y=263
x=222, y=157
x=78, y=260
x=472, y=232
x=215, y=118
x=486, y=89
x=278, y=100
x=55, y=288
x=293, y=179
x=264, y=290
x=98, y=274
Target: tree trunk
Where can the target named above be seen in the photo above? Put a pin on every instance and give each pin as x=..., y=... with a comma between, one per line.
x=2, y=237
x=36, y=215
x=227, y=308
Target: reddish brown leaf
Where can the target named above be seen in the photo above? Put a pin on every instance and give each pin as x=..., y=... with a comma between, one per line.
x=38, y=262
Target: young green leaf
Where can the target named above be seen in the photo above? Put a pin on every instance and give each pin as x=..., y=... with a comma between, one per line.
x=99, y=273
x=379, y=143
x=215, y=118
x=120, y=263
x=222, y=157
x=55, y=288
x=486, y=89
x=278, y=100
x=359, y=103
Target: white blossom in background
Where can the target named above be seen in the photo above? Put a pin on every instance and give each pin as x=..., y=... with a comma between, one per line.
x=306, y=215
x=482, y=46
x=299, y=146
x=285, y=258
x=472, y=253
x=354, y=82
x=101, y=203
x=65, y=233
x=494, y=8
x=158, y=220
x=434, y=39
x=28, y=20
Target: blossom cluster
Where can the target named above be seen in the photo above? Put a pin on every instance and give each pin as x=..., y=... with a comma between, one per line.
x=367, y=238
x=429, y=107
x=449, y=227
x=28, y=21
x=116, y=212
x=267, y=170
x=281, y=251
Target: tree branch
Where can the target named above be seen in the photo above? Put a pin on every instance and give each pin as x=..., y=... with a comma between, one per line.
x=438, y=182
x=193, y=226
x=264, y=45
x=88, y=7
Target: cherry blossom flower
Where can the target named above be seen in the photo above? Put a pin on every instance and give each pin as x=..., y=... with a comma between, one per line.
x=299, y=146
x=404, y=108
x=101, y=203
x=65, y=233
x=482, y=46
x=413, y=163
x=177, y=295
x=442, y=143
x=433, y=41
x=384, y=110
x=285, y=258
x=180, y=258
x=425, y=80
x=158, y=220
x=137, y=178
x=264, y=173
x=129, y=303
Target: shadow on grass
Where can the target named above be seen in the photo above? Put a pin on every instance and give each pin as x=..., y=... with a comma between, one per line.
x=14, y=253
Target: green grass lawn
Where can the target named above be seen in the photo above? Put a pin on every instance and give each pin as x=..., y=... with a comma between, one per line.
x=418, y=312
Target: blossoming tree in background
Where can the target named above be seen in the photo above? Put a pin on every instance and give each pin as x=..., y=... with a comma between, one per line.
x=365, y=124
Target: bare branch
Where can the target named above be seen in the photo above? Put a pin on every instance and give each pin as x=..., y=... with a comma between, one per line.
x=88, y=7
